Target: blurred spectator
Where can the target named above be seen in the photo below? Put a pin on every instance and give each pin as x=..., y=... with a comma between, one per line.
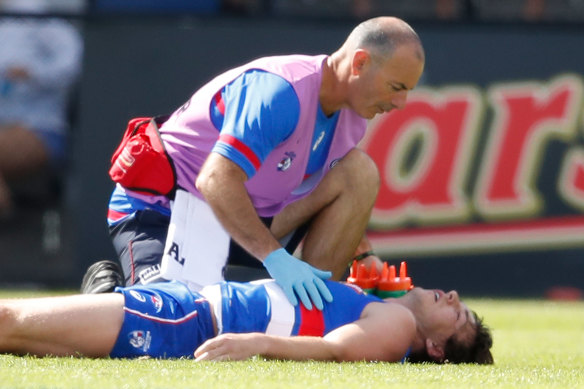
x=40, y=60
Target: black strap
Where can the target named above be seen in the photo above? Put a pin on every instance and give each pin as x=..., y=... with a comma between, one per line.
x=363, y=255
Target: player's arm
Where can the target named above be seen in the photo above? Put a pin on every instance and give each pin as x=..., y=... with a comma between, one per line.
x=384, y=333
x=222, y=183
x=261, y=112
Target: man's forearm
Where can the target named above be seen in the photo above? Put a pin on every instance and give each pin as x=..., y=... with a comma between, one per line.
x=298, y=348
x=242, y=346
x=222, y=184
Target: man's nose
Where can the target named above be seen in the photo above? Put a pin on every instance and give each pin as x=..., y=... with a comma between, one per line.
x=399, y=99
x=452, y=297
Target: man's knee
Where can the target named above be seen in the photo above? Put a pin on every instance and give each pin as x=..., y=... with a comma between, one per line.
x=361, y=173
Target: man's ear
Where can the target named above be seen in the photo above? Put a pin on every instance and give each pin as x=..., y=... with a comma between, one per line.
x=434, y=350
x=360, y=59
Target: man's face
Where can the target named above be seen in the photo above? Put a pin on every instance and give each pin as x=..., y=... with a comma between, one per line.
x=441, y=315
x=379, y=86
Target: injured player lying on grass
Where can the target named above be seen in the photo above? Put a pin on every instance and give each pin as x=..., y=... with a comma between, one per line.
x=234, y=321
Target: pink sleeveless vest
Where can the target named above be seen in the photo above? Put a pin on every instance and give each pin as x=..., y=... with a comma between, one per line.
x=189, y=135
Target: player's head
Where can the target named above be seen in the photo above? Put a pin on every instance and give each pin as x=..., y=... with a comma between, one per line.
x=477, y=350
x=386, y=61
x=449, y=330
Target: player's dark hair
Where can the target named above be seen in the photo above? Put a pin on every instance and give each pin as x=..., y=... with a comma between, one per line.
x=478, y=351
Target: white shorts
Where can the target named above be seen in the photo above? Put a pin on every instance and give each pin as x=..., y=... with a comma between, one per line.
x=197, y=246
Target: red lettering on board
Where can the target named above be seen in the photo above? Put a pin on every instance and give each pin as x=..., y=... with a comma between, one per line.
x=431, y=187
x=571, y=183
x=427, y=153
x=526, y=117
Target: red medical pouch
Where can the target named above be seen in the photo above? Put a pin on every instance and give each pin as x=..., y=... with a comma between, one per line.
x=141, y=163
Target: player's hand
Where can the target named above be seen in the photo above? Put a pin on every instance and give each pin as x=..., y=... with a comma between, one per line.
x=229, y=347
x=297, y=277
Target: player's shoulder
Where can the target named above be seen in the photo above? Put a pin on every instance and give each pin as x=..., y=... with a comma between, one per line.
x=392, y=326
x=394, y=313
x=265, y=78
x=266, y=86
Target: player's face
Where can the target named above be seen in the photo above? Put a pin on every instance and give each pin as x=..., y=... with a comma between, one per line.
x=442, y=315
x=384, y=85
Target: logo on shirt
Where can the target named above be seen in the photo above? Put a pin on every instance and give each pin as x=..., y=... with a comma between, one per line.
x=140, y=339
x=137, y=296
x=286, y=162
x=157, y=301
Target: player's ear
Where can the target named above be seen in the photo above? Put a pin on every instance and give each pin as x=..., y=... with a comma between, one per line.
x=360, y=59
x=435, y=350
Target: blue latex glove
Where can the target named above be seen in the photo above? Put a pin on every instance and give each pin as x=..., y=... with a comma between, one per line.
x=294, y=275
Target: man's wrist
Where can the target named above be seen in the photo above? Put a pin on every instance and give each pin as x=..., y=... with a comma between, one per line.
x=275, y=256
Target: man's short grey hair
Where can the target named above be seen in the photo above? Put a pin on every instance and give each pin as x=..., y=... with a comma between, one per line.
x=382, y=35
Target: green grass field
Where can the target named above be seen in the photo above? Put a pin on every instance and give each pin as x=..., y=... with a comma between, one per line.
x=537, y=344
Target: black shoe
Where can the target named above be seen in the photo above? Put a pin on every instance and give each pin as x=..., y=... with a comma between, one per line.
x=102, y=277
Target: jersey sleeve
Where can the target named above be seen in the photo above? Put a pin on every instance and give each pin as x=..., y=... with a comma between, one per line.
x=261, y=110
